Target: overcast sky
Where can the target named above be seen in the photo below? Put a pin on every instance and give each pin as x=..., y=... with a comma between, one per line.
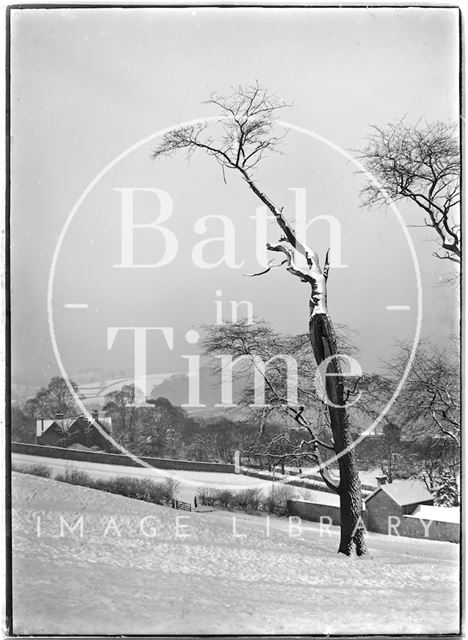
x=89, y=84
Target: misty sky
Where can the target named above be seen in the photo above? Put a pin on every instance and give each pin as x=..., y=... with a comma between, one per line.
x=88, y=84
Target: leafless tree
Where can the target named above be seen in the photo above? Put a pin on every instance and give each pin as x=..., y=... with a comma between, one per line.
x=119, y=405
x=53, y=400
x=426, y=413
x=421, y=164
x=247, y=343
x=430, y=400
x=242, y=138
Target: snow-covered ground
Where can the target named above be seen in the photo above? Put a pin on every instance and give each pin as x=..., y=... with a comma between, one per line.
x=189, y=481
x=136, y=569
x=367, y=476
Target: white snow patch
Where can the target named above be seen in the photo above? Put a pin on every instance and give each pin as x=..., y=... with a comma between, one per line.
x=439, y=514
x=322, y=497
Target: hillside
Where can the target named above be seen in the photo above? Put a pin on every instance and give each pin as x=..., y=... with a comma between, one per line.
x=176, y=388
x=116, y=580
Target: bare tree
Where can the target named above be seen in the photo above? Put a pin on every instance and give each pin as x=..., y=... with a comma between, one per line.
x=243, y=137
x=52, y=400
x=427, y=413
x=119, y=405
x=250, y=343
x=421, y=164
x=430, y=401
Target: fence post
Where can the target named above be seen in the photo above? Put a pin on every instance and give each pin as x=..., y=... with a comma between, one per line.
x=237, y=461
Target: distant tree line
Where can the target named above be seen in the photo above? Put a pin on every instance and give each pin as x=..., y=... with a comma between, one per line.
x=160, y=429
x=420, y=436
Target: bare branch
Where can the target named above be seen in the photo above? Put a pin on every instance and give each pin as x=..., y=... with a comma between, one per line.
x=420, y=163
x=269, y=268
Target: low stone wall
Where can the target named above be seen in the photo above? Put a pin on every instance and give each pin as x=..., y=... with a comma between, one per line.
x=314, y=482
x=117, y=458
x=303, y=483
x=314, y=512
x=413, y=527
x=405, y=526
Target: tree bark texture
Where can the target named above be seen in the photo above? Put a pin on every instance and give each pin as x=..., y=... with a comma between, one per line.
x=323, y=341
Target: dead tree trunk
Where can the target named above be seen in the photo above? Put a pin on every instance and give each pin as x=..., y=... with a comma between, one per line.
x=248, y=135
x=323, y=341
x=303, y=262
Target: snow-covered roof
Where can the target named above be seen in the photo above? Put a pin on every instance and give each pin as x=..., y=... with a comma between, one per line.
x=405, y=492
x=440, y=514
x=323, y=498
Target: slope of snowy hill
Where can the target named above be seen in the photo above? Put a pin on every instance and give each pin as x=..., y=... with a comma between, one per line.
x=141, y=568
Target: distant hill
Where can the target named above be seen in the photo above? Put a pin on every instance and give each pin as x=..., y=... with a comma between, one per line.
x=176, y=388
x=94, y=392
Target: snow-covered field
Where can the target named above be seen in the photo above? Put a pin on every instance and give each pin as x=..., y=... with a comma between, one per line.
x=133, y=571
x=189, y=481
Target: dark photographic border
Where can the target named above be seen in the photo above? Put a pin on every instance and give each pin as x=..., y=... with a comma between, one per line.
x=8, y=623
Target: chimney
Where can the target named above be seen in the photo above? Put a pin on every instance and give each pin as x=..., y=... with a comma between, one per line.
x=381, y=480
x=59, y=420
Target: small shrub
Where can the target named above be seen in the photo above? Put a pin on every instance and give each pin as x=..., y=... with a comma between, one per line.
x=275, y=501
x=225, y=498
x=137, y=488
x=215, y=497
x=171, y=488
x=248, y=499
x=34, y=469
x=74, y=476
x=102, y=485
x=207, y=496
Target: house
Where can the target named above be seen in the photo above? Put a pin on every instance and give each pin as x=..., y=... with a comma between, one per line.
x=401, y=508
x=406, y=508
x=49, y=432
x=387, y=505
x=64, y=432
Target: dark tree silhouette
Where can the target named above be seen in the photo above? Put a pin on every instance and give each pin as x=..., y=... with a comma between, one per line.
x=119, y=405
x=52, y=400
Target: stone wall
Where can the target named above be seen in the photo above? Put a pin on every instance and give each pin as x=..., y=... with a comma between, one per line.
x=314, y=512
x=413, y=527
x=385, y=517
x=118, y=458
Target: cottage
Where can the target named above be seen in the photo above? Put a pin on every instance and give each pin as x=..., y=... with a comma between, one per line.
x=402, y=507
x=49, y=432
x=64, y=432
x=387, y=505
